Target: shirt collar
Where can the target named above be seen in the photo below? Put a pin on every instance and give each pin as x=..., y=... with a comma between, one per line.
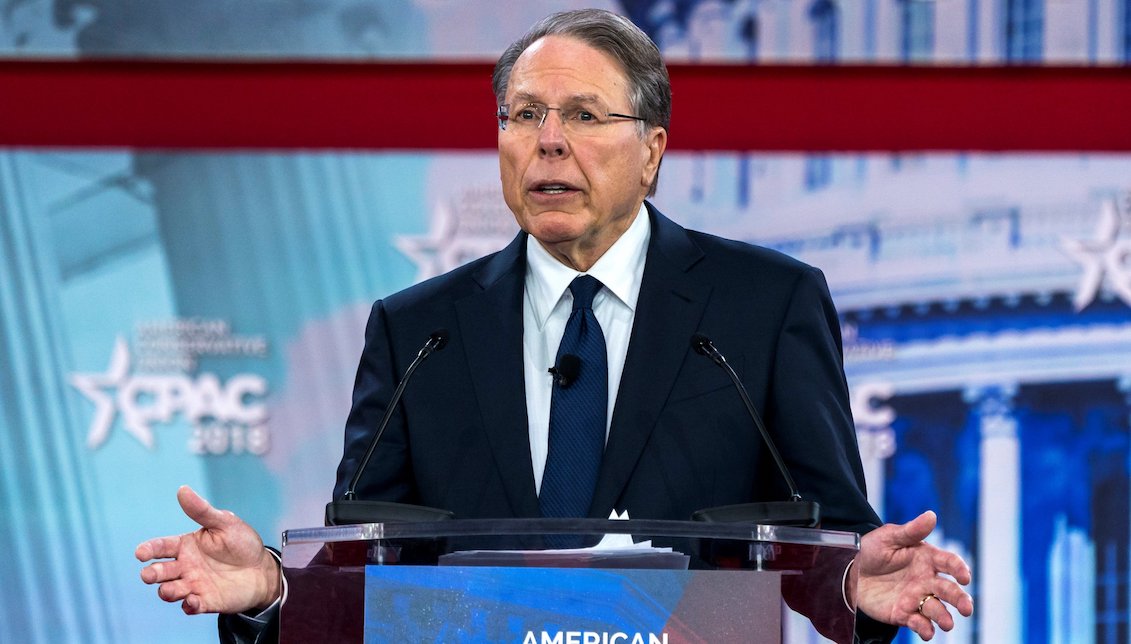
x=620, y=269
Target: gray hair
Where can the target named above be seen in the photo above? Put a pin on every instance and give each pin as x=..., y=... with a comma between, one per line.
x=649, y=90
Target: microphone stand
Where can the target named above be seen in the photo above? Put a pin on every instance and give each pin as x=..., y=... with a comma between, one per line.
x=349, y=509
x=795, y=512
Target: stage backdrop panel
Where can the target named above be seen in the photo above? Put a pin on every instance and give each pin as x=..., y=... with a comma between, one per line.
x=765, y=31
x=196, y=318
x=171, y=317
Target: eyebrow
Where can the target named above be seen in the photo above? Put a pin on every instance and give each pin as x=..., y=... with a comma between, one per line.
x=573, y=99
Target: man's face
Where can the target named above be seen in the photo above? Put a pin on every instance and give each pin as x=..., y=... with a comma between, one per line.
x=575, y=193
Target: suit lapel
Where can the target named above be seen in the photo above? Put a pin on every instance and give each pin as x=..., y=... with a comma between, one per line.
x=668, y=312
x=491, y=326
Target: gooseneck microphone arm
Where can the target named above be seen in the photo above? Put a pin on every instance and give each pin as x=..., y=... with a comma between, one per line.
x=704, y=346
x=794, y=512
x=436, y=341
x=351, y=510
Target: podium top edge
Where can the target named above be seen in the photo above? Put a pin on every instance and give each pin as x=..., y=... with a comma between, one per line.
x=515, y=527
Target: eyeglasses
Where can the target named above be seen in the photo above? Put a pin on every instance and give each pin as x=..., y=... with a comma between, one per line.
x=529, y=117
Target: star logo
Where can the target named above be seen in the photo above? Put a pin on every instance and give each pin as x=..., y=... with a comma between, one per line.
x=453, y=240
x=427, y=251
x=1104, y=255
x=96, y=387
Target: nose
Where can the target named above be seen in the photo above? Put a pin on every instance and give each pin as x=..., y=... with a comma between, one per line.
x=551, y=136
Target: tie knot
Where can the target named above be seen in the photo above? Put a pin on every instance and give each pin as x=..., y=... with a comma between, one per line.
x=584, y=288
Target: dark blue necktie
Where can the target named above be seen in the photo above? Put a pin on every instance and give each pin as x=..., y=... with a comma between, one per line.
x=578, y=412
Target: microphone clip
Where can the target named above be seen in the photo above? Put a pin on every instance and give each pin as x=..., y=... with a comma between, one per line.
x=566, y=371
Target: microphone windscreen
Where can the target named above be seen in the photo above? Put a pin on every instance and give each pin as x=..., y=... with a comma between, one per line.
x=439, y=339
x=569, y=367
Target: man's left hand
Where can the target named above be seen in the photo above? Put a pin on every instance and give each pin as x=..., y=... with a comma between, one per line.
x=907, y=582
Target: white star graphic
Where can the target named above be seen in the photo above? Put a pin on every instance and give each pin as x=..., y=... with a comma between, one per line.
x=448, y=246
x=94, y=386
x=425, y=250
x=1105, y=254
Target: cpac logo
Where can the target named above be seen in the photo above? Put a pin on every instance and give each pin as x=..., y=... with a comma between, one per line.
x=1106, y=254
x=225, y=416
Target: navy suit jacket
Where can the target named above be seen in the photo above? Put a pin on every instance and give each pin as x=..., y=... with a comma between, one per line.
x=680, y=438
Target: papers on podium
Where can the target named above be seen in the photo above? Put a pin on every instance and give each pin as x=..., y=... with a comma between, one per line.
x=613, y=551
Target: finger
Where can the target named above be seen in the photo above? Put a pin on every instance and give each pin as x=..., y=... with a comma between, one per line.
x=922, y=626
x=917, y=529
x=158, y=548
x=200, y=510
x=951, y=564
x=936, y=611
x=161, y=572
x=173, y=591
x=192, y=605
x=951, y=593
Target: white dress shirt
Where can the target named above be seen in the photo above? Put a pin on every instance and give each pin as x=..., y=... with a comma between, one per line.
x=546, y=307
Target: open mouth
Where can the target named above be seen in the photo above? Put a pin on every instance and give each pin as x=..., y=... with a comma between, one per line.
x=551, y=188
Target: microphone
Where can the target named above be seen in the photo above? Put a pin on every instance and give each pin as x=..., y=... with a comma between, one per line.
x=794, y=512
x=349, y=509
x=566, y=371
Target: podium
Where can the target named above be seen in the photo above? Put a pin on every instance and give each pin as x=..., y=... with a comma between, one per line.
x=499, y=581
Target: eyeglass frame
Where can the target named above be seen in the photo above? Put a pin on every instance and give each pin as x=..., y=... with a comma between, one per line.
x=502, y=114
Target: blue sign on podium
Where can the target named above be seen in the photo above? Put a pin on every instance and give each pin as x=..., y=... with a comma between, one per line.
x=569, y=605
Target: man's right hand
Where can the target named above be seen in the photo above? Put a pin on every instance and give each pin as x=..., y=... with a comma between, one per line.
x=220, y=568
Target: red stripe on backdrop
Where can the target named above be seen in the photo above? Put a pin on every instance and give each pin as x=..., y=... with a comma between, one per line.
x=271, y=105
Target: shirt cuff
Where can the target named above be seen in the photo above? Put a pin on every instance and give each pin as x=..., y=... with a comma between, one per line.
x=843, y=586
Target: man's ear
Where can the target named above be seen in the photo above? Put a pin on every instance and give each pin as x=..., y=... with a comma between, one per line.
x=656, y=141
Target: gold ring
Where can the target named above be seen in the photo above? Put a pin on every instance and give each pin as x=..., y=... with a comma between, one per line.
x=926, y=598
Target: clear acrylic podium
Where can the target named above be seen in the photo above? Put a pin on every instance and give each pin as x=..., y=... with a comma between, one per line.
x=500, y=581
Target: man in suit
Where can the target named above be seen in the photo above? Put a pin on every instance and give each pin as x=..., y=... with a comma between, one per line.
x=485, y=431
x=679, y=438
